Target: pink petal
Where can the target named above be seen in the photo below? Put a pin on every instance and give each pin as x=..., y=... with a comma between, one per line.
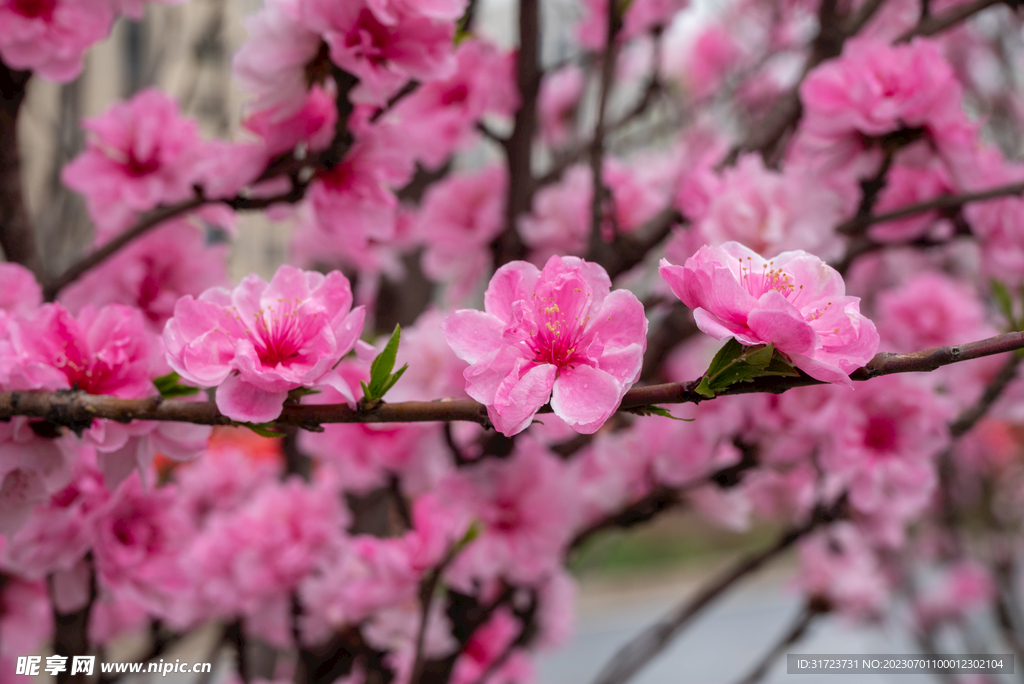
x=513, y=281
x=712, y=325
x=777, y=321
x=584, y=397
x=519, y=398
x=472, y=334
x=238, y=400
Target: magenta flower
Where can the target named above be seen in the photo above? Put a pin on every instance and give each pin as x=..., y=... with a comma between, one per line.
x=51, y=37
x=261, y=340
x=795, y=301
x=557, y=334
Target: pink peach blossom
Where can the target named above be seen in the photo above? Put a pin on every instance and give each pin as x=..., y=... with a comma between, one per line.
x=526, y=508
x=141, y=153
x=961, y=589
x=20, y=293
x=31, y=469
x=795, y=302
x=51, y=37
x=383, y=48
x=459, y=219
x=557, y=334
x=261, y=340
x=153, y=273
x=560, y=94
x=838, y=565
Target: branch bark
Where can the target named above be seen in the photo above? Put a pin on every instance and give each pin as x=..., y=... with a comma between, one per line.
x=76, y=409
x=16, y=235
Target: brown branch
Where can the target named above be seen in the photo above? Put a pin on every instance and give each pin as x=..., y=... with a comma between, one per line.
x=938, y=24
x=946, y=203
x=970, y=416
x=73, y=408
x=632, y=657
x=601, y=193
x=794, y=634
x=519, y=148
x=16, y=235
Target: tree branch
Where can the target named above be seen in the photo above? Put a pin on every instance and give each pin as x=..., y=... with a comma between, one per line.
x=75, y=409
x=938, y=24
x=16, y=235
x=519, y=148
x=794, y=634
x=632, y=657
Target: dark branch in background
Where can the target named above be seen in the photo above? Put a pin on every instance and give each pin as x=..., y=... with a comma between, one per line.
x=795, y=633
x=632, y=657
x=946, y=203
x=16, y=235
x=519, y=148
x=937, y=24
x=600, y=198
x=71, y=630
x=970, y=416
x=77, y=409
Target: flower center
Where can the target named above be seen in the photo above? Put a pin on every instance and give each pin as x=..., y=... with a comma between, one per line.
x=880, y=434
x=557, y=336
x=279, y=333
x=34, y=9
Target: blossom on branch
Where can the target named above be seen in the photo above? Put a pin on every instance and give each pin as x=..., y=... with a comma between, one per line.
x=795, y=301
x=559, y=334
x=261, y=340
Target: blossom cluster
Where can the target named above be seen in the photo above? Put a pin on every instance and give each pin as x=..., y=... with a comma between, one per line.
x=541, y=265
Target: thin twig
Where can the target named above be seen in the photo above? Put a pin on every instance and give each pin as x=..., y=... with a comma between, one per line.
x=938, y=24
x=632, y=657
x=794, y=634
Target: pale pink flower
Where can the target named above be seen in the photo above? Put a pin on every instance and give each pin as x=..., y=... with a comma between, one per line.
x=560, y=94
x=271, y=64
x=709, y=58
x=526, y=509
x=19, y=291
x=908, y=185
x=250, y=560
x=838, y=565
x=459, y=219
x=26, y=621
x=769, y=211
x=876, y=88
x=281, y=130
x=141, y=153
x=384, y=49
x=796, y=302
x=440, y=117
x=153, y=273
x=60, y=532
x=141, y=535
x=961, y=589
x=559, y=222
x=261, y=340
x=610, y=474
x=929, y=310
x=557, y=334
x=884, y=440
x=50, y=37
x=31, y=469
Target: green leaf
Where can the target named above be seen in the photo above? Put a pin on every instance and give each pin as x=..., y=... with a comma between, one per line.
x=761, y=357
x=664, y=413
x=726, y=355
x=704, y=388
x=263, y=429
x=393, y=379
x=1004, y=302
x=380, y=369
x=170, y=387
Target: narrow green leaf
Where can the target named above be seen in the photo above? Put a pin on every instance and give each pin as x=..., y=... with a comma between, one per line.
x=664, y=413
x=392, y=380
x=366, y=391
x=380, y=369
x=704, y=388
x=263, y=429
x=169, y=386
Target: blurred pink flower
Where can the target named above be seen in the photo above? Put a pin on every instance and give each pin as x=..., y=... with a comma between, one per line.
x=560, y=94
x=526, y=507
x=261, y=340
x=557, y=334
x=838, y=565
x=960, y=590
x=459, y=218
x=141, y=153
x=153, y=273
x=50, y=37
x=31, y=469
x=19, y=291
x=795, y=301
